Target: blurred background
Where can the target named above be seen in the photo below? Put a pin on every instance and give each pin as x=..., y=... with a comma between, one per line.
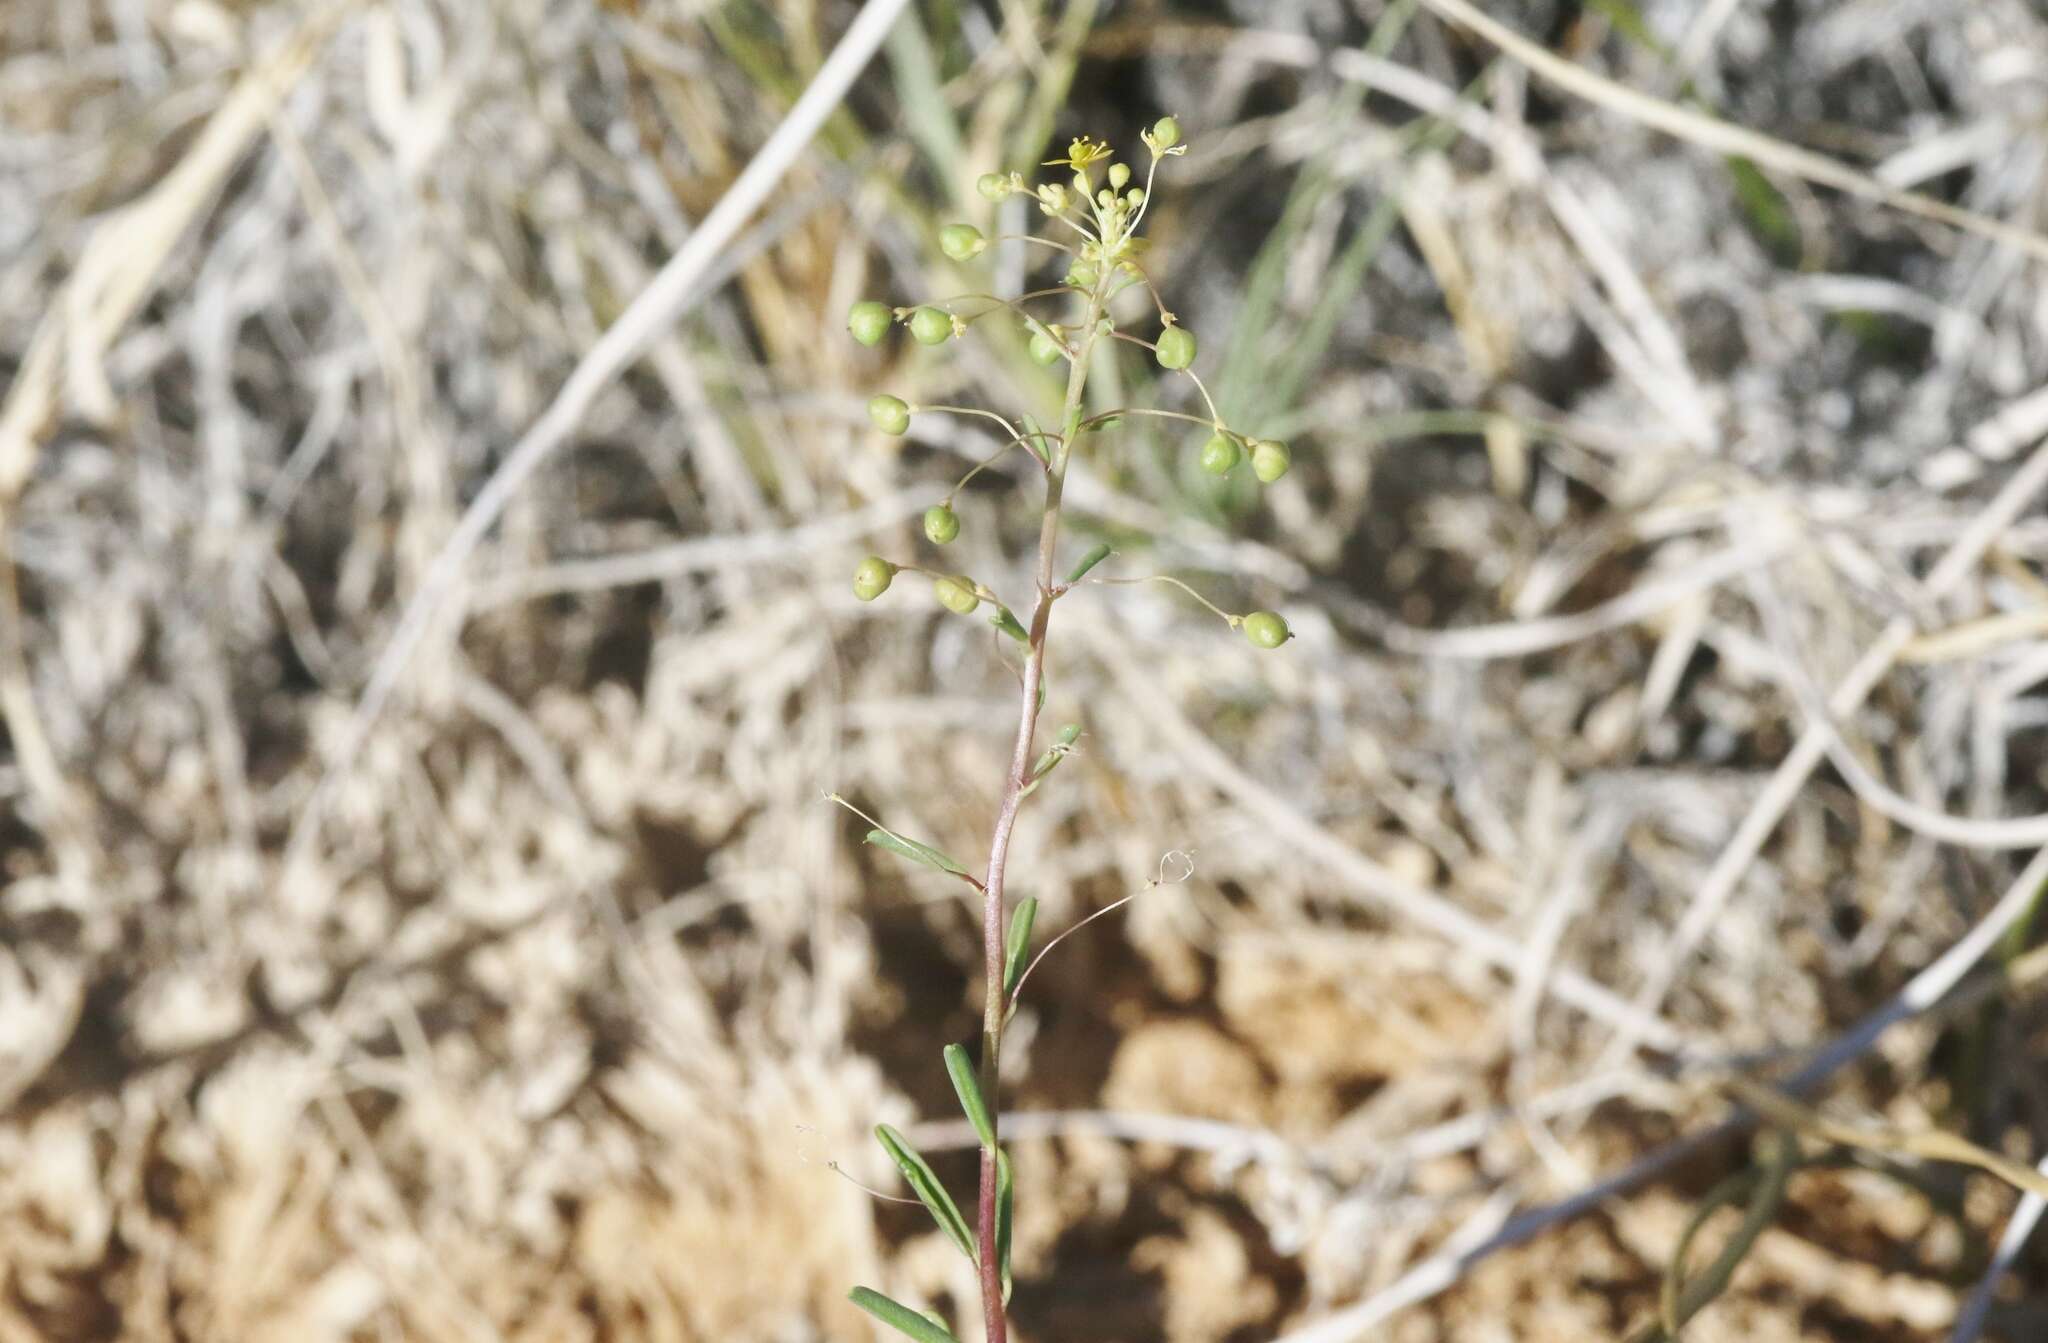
x=418, y=932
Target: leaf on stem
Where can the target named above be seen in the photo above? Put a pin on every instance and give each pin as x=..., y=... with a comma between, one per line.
x=1008, y=623
x=916, y=852
x=1089, y=561
x=961, y=1069
x=927, y=1187
x=1055, y=752
x=1034, y=440
x=899, y=1316
x=1006, y=1198
x=1019, y=945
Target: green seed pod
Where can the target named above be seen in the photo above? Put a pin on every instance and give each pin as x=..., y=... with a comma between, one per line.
x=941, y=524
x=992, y=186
x=869, y=321
x=931, y=327
x=1045, y=351
x=1119, y=176
x=1219, y=454
x=1176, y=347
x=1081, y=275
x=871, y=577
x=960, y=241
x=1166, y=133
x=1266, y=630
x=1270, y=460
x=957, y=595
x=889, y=414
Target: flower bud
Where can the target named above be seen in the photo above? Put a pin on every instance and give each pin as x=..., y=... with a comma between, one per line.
x=1220, y=454
x=961, y=241
x=1176, y=347
x=1119, y=174
x=889, y=414
x=992, y=186
x=1165, y=133
x=869, y=321
x=1266, y=630
x=931, y=327
x=1270, y=460
x=1045, y=351
x=941, y=524
x=871, y=577
x=957, y=595
x=1135, y=197
x=1105, y=198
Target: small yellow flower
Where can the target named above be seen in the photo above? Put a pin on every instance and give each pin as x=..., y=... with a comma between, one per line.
x=1080, y=154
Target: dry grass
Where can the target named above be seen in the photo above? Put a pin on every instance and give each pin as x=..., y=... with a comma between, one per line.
x=1665, y=542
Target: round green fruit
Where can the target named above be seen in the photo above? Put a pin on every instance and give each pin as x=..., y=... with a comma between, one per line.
x=1270, y=460
x=1219, y=454
x=941, y=524
x=1166, y=133
x=1176, y=347
x=960, y=241
x=931, y=327
x=957, y=595
x=889, y=414
x=871, y=577
x=869, y=321
x=992, y=186
x=1045, y=351
x=1266, y=630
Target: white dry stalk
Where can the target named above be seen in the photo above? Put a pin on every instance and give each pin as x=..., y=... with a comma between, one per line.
x=1726, y=138
x=1719, y=885
x=1445, y=1269
x=652, y=310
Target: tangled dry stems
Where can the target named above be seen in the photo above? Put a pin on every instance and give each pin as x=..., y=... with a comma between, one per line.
x=579, y=989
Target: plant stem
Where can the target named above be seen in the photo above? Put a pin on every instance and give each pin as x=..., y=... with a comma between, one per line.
x=993, y=917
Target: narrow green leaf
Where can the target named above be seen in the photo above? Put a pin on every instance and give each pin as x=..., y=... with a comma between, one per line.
x=1765, y=208
x=1006, y=1198
x=899, y=1316
x=927, y=1187
x=1056, y=752
x=1009, y=624
x=1089, y=561
x=1034, y=439
x=1019, y=945
x=919, y=83
x=961, y=1069
x=914, y=851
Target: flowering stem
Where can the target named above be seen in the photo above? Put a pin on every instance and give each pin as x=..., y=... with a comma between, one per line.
x=993, y=916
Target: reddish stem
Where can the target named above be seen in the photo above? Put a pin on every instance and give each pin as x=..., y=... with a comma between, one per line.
x=994, y=1322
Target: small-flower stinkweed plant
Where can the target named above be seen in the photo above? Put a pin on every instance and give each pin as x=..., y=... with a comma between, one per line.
x=1098, y=211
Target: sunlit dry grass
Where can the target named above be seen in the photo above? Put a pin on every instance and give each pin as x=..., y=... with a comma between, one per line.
x=1616, y=461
